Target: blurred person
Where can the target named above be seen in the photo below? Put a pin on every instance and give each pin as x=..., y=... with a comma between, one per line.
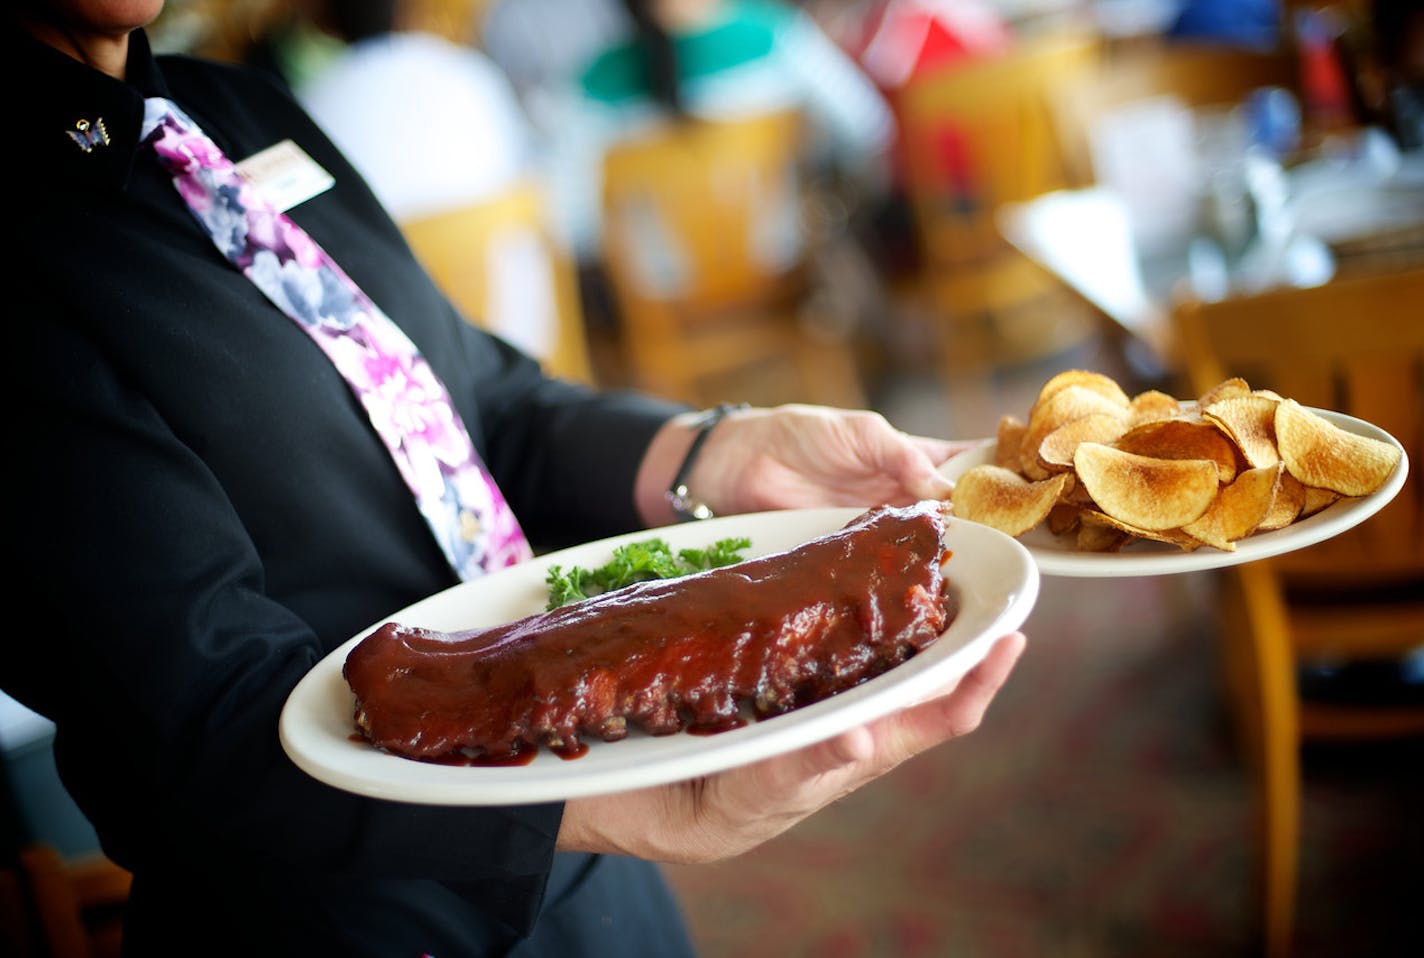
x=1388, y=70
x=218, y=492
x=712, y=59
x=292, y=41
x=432, y=125
x=542, y=45
x=897, y=42
x=1399, y=38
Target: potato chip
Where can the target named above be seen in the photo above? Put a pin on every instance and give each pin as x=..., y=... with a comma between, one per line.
x=1250, y=423
x=1321, y=454
x=1093, y=464
x=1097, y=536
x=1010, y=437
x=1062, y=407
x=1152, y=405
x=1182, y=439
x=1076, y=495
x=1238, y=509
x=1316, y=499
x=1099, y=383
x=1152, y=494
x=1055, y=452
x=1002, y=499
x=1063, y=518
x=1233, y=388
x=1290, y=500
x=1171, y=536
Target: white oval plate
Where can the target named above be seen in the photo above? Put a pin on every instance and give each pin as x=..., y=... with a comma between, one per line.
x=1059, y=556
x=995, y=580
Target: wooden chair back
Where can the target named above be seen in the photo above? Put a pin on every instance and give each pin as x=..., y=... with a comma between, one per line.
x=501, y=265
x=975, y=137
x=1347, y=345
x=54, y=907
x=705, y=257
x=983, y=133
x=1350, y=345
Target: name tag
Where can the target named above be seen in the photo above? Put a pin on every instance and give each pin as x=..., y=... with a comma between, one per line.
x=286, y=175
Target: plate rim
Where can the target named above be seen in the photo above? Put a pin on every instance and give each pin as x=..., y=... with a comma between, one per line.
x=559, y=780
x=1329, y=522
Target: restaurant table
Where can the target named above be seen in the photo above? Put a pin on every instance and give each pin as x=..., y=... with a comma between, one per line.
x=1348, y=210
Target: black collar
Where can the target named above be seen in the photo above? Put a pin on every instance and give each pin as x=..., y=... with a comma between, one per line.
x=65, y=106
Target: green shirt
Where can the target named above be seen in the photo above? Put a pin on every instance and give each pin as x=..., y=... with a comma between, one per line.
x=747, y=33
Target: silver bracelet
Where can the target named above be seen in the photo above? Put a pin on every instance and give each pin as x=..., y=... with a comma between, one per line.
x=678, y=495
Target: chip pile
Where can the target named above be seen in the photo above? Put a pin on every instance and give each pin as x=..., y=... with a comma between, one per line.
x=1105, y=468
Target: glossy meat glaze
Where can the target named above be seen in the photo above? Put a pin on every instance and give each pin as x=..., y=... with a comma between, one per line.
x=701, y=653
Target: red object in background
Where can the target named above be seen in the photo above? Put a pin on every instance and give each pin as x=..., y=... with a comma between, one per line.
x=1325, y=84
x=901, y=39
x=955, y=166
x=896, y=41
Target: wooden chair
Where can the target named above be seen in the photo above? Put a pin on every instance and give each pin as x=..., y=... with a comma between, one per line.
x=707, y=264
x=975, y=137
x=500, y=264
x=1347, y=345
x=57, y=908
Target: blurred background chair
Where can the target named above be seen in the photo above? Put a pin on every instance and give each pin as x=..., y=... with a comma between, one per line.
x=706, y=259
x=501, y=265
x=1355, y=599
x=976, y=136
x=60, y=895
x=53, y=907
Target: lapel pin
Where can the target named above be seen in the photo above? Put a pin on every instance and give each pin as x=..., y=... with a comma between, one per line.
x=87, y=135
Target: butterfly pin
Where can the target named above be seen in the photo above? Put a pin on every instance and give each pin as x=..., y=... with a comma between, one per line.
x=87, y=135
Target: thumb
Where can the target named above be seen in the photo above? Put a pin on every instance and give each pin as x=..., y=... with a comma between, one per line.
x=915, y=465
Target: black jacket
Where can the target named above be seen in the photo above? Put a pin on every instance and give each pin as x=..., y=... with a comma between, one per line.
x=203, y=512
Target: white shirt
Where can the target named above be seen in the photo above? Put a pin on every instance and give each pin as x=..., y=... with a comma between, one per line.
x=430, y=124
x=543, y=44
x=434, y=126
x=850, y=119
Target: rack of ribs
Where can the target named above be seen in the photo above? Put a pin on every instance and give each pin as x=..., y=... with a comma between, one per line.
x=703, y=653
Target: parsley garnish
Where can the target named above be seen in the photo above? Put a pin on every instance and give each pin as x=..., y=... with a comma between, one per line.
x=638, y=562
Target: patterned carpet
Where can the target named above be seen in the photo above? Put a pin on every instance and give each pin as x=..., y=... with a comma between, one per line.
x=1100, y=811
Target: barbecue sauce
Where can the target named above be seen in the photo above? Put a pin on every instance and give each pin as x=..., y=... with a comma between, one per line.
x=697, y=654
